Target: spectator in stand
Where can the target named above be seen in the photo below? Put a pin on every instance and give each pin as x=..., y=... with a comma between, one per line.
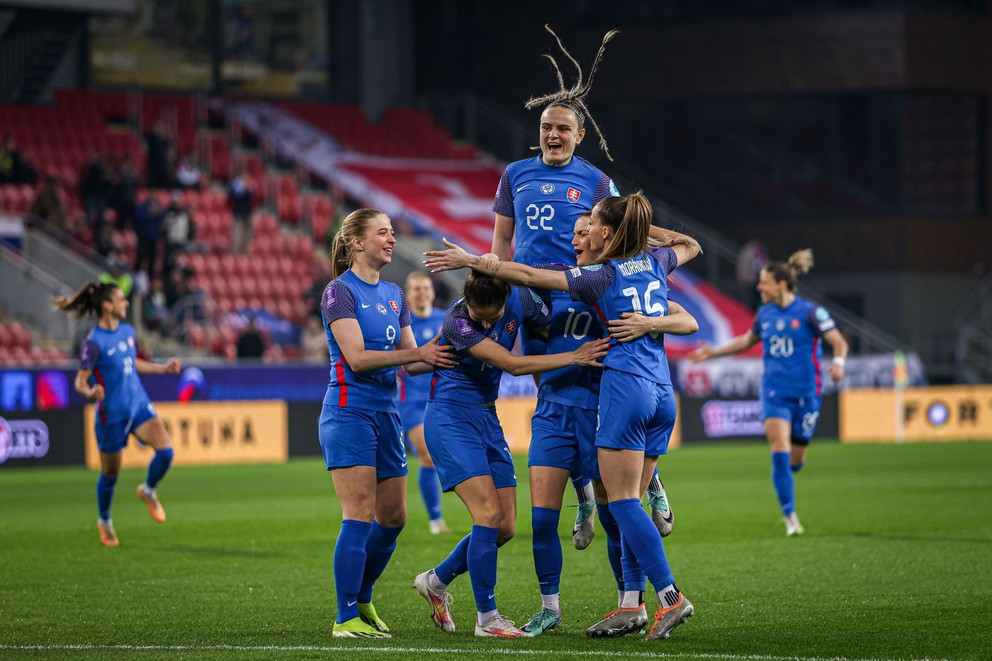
x=49, y=204
x=148, y=219
x=124, y=192
x=251, y=344
x=14, y=168
x=94, y=188
x=179, y=230
x=117, y=275
x=313, y=340
x=161, y=156
x=241, y=196
x=188, y=173
x=155, y=312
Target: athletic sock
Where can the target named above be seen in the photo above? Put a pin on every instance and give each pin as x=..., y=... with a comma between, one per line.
x=643, y=539
x=349, y=566
x=455, y=564
x=547, y=548
x=783, y=482
x=614, y=551
x=105, y=486
x=430, y=491
x=668, y=596
x=482, y=557
x=158, y=467
x=378, y=549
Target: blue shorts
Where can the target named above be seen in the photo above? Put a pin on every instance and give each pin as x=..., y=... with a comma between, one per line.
x=802, y=412
x=360, y=437
x=412, y=414
x=111, y=437
x=466, y=441
x=635, y=414
x=564, y=436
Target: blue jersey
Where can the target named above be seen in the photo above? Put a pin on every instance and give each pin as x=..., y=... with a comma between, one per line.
x=382, y=313
x=545, y=202
x=790, y=337
x=414, y=390
x=573, y=323
x=472, y=381
x=111, y=356
x=638, y=284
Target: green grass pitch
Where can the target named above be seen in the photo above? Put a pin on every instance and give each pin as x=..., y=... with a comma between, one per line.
x=896, y=563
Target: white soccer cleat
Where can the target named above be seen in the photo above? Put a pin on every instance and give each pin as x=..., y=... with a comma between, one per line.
x=438, y=527
x=792, y=526
x=500, y=627
x=438, y=600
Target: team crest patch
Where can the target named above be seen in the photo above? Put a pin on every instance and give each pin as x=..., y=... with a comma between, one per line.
x=510, y=326
x=779, y=325
x=395, y=306
x=548, y=189
x=795, y=324
x=381, y=308
x=573, y=195
x=130, y=342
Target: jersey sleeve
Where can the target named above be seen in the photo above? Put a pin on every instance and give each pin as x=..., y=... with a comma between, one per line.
x=666, y=257
x=605, y=188
x=405, y=319
x=503, y=204
x=338, y=302
x=89, y=355
x=460, y=332
x=589, y=283
x=820, y=320
x=535, y=311
x=756, y=326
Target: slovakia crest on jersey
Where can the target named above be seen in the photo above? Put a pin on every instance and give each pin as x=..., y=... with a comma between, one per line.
x=395, y=306
x=573, y=195
x=795, y=324
x=510, y=326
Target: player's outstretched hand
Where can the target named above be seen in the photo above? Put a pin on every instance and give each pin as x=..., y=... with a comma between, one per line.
x=590, y=352
x=98, y=393
x=448, y=260
x=701, y=353
x=174, y=366
x=438, y=356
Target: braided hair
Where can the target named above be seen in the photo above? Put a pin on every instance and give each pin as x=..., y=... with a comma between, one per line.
x=573, y=98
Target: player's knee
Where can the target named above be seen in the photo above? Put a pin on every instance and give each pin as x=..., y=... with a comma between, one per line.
x=506, y=533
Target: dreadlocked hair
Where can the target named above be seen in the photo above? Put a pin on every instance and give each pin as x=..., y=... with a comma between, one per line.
x=574, y=98
x=87, y=300
x=799, y=262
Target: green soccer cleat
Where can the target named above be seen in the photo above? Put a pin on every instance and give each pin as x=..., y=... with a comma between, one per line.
x=356, y=627
x=544, y=621
x=584, y=529
x=369, y=616
x=661, y=511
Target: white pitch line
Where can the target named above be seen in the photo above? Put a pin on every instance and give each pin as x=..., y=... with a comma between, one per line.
x=444, y=650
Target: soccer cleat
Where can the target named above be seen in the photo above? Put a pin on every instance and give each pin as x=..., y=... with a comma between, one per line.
x=661, y=511
x=666, y=619
x=619, y=623
x=583, y=531
x=500, y=627
x=439, y=602
x=151, y=500
x=438, y=527
x=369, y=616
x=792, y=525
x=545, y=620
x=108, y=536
x=356, y=627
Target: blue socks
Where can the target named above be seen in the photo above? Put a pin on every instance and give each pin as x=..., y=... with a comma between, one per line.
x=349, y=566
x=105, y=494
x=430, y=491
x=643, y=539
x=482, y=555
x=784, y=485
x=633, y=575
x=159, y=465
x=547, y=548
x=613, y=548
x=378, y=549
x=456, y=563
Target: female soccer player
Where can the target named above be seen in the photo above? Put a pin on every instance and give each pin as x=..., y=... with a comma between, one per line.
x=636, y=403
x=538, y=201
x=368, y=334
x=789, y=328
x=108, y=375
x=466, y=441
x=563, y=432
x=426, y=321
